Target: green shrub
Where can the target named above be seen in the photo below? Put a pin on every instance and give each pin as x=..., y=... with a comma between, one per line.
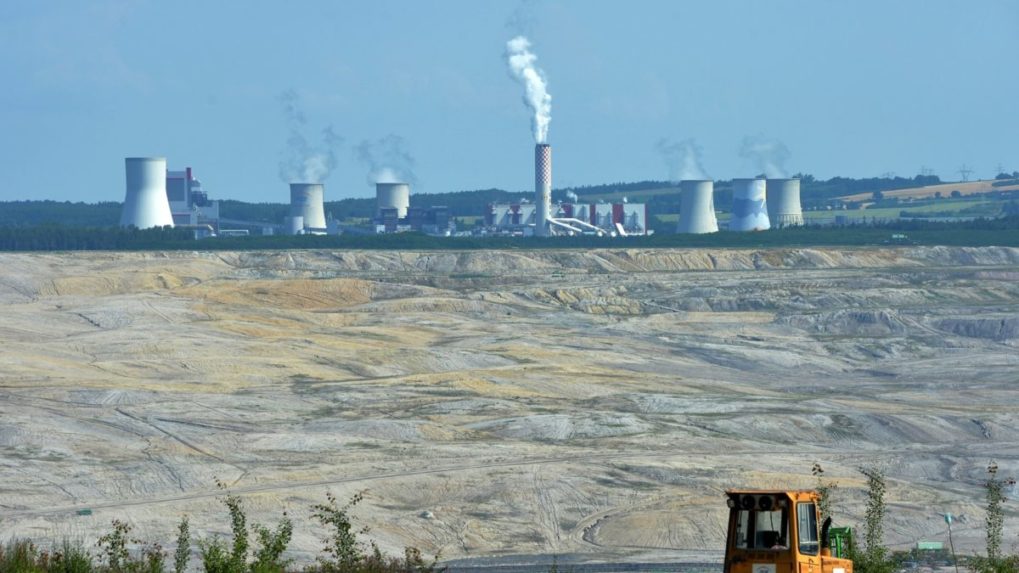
x=271, y=545
x=347, y=555
x=118, y=558
x=995, y=562
x=874, y=557
x=20, y=556
x=71, y=558
x=183, y=551
x=215, y=557
x=343, y=550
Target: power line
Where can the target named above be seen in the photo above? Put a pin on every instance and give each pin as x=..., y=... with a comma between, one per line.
x=965, y=172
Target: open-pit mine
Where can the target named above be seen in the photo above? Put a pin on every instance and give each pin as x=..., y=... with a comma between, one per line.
x=495, y=403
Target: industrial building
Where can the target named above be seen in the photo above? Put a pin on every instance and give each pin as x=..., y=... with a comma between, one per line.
x=783, y=196
x=568, y=218
x=145, y=199
x=543, y=219
x=189, y=204
x=697, y=207
x=393, y=213
x=435, y=220
x=749, y=205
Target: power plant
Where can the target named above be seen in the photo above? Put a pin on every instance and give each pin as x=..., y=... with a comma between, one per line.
x=145, y=202
x=156, y=197
x=392, y=196
x=749, y=208
x=697, y=207
x=783, y=198
x=306, y=202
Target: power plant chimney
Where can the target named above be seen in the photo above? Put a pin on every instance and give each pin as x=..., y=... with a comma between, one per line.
x=145, y=203
x=697, y=207
x=542, y=188
x=749, y=206
x=784, y=202
x=392, y=196
x=306, y=202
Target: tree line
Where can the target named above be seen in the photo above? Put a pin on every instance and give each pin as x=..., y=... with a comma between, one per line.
x=1003, y=231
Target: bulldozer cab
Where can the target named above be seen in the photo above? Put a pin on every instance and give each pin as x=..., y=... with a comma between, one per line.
x=777, y=532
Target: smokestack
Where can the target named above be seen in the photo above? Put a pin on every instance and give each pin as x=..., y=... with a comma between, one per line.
x=542, y=187
x=784, y=203
x=749, y=209
x=306, y=202
x=145, y=202
x=697, y=207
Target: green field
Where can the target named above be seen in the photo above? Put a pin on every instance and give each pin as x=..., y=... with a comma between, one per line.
x=974, y=207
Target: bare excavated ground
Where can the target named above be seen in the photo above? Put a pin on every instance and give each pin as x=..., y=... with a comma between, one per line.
x=499, y=403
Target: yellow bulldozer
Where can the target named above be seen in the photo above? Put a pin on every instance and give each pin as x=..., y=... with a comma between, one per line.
x=779, y=532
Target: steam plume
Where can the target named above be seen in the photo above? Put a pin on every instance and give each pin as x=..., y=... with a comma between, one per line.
x=302, y=161
x=683, y=159
x=769, y=155
x=572, y=196
x=387, y=160
x=521, y=66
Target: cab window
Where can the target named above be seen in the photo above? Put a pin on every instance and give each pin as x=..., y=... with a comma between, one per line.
x=767, y=530
x=806, y=526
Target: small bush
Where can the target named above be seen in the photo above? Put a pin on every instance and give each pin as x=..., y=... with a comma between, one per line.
x=19, y=556
x=113, y=547
x=343, y=550
x=71, y=558
x=183, y=551
x=874, y=556
x=272, y=544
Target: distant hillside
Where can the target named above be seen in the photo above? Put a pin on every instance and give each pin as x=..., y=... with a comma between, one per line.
x=945, y=189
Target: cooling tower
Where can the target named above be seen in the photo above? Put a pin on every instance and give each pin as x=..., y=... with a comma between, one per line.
x=145, y=203
x=749, y=208
x=306, y=202
x=784, y=202
x=392, y=196
x=697, y=207
x=542, y=187
x=294, y=225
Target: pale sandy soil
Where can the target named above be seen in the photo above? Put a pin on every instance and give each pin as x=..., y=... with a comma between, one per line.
x=572, y=402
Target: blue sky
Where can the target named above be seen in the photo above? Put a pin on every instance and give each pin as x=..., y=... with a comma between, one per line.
x=855, y=88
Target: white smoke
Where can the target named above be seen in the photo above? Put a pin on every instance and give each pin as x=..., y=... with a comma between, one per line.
x=768, y=155
x=521, y=66
x=683, y=158
x=387, y=160
x=304, y=162
x=572, y=196
x=625, y=200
